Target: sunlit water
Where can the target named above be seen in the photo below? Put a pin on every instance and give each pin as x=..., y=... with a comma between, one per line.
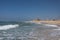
x=28, y=31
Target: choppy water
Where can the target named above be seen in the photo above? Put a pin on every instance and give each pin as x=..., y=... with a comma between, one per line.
x=28, y=31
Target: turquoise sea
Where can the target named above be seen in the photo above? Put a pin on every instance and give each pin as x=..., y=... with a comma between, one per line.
x=11, y=30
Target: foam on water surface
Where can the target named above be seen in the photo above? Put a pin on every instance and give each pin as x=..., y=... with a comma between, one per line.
x=29, y=32
x=5, y=27
x=50, y=25
x=57, y=29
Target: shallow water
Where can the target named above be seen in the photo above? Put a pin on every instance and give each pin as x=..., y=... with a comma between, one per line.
x=28, y=31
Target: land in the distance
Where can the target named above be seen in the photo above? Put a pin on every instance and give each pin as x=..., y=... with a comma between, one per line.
x=57, y=22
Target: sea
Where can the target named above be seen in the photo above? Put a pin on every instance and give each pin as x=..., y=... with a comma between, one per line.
x=13, y=30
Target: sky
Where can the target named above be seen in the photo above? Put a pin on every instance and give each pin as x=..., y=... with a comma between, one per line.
x=29, y=9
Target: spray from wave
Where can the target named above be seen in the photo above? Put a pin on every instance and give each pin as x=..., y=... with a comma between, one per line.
x=6, y=27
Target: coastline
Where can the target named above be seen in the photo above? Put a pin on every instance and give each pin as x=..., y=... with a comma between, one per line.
x=56, y=22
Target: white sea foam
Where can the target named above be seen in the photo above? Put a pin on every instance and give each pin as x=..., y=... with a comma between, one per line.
x=51, y=25
x=57, y=29
x=28, y=21
x=32, y=22
x=30, y=33
x=1, y=38
x=5, y=27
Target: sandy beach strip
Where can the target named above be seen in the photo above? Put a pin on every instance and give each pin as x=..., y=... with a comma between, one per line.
x=56, y=22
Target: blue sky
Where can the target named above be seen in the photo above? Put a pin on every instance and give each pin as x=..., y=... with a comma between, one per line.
x=29, y=9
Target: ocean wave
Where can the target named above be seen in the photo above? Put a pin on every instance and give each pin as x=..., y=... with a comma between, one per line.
x=57, y=28
x=32, y=22
x=6, y=27
x=51, y=25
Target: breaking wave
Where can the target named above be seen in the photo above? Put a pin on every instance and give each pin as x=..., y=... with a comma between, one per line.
x=32, y=22
x=50, y=25
x=28, y=31
x=6, y=27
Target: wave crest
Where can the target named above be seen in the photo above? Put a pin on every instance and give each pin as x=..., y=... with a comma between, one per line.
x=51, y=25
x=6, y=27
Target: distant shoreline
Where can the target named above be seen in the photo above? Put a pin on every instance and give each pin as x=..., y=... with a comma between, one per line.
x=57, y=22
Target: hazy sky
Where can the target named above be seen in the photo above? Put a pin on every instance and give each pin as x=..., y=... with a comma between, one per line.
x=29, y=9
